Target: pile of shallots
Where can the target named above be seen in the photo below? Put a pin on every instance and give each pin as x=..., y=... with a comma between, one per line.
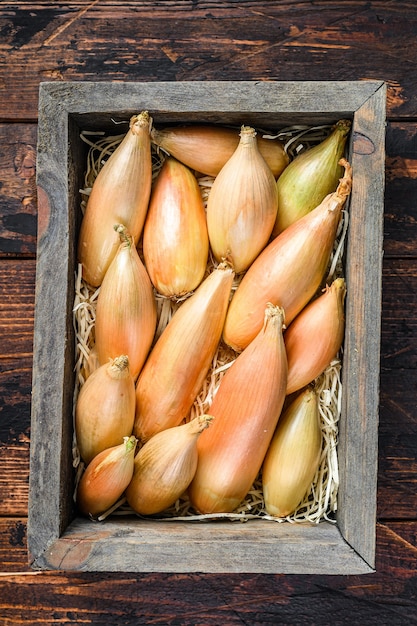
x=245, y=272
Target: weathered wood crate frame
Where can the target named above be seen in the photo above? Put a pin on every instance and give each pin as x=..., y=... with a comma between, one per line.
x=57, y=539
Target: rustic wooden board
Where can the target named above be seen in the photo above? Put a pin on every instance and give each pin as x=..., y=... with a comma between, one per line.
x=13, y=547
x=397, y=489
x=400, y=230
x=358, y=428
x=387, y=596
x=399, y=315
x=14, y=482
x=18, y=197
x=187, y=40
x=131, y=545
x=166, y=40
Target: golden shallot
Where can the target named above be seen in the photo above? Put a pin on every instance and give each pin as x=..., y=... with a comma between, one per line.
x=206, y=148
x=310, y=177
x=105, y=408
x=179, y=361
x=242, y=205
x=175, y=239
x=120, y=194
x=293, y=456
x=106, y=477
x=246, y=409
x=314, y=338
x=126, y=308
x=165, y=466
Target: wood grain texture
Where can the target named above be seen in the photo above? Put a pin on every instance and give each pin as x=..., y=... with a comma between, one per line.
x=18, y=196
x=129, y=545
x=388, y=596
x=400, y=229
x=358, y=427
x=200, y=40
x=206, y=41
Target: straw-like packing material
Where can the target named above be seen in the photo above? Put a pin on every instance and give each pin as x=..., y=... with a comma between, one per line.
x=320, y=503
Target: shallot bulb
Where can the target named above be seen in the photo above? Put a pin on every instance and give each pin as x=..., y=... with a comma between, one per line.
x=242, y=205
x=120, y=194
x=246, y=409
x=105, y=408
x=165, y=466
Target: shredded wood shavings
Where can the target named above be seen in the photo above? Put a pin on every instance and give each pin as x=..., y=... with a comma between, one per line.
x=320, y=503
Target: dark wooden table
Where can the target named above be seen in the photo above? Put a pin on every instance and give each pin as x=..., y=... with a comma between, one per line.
x=204, y=40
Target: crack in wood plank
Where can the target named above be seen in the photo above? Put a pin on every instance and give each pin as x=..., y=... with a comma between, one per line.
x=404, y=542
x=69, y=22
x=399, y=409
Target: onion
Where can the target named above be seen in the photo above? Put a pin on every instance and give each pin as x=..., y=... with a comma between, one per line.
x=175, y=239
x=126, y=308
x=246, y=409
x=314, y=338
x=165, y=466
x=105, y=408
x=293, y=456
x=206, y=148
x=120, y=194
x=106, y=478
x=179, y=362
x=310, y=177
x=242, y=205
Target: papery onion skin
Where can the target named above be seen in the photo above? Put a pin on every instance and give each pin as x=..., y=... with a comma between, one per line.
x=106, y=478
x=120, y=194
x=293, y=456
x=206, y=148
x=175, y=239
x=310, y=177
x=126, y=308
x=165, y=466
x=246, y=409
x=178, y=363
x=289, y=270
x=314, y=338
x=242, y=205
x=105, y=408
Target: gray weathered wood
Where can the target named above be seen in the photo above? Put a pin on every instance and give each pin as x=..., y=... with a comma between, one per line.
x=358, y=449
x=220, y=546
x=67, y=108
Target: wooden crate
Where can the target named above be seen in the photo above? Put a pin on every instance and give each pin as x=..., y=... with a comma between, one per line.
x=57, y=539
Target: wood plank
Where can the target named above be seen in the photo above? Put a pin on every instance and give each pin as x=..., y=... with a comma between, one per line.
x=397, y=488
x=13, y=545
x=400, y=229
x=14, y=480
x=17, y=304
x=344, y=41
x=397, y=493
x=387, y=596
x=17, y=282
x=399, y=315
x=358, y=425
x=18, y=197
x=128, y=544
